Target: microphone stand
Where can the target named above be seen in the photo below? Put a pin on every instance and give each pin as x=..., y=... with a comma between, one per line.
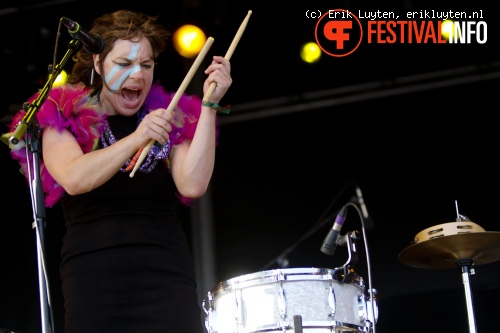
x=347, y=275
x=30, y=125
x=348, y=270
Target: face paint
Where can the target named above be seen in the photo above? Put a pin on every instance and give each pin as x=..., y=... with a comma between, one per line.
x=123, y=77
x=114, y=71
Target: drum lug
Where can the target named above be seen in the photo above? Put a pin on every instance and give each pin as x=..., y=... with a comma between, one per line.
x=282, y=301
x=209, y=318
x=331, y=301
x=362, y=309
x=372, y=307
x=368, y=308
x=239, y=308
x=210, y=299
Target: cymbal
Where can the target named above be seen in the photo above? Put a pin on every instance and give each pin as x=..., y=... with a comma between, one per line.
x=482, y=247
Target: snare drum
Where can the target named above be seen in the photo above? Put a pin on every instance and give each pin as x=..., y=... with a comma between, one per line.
x=282, y=299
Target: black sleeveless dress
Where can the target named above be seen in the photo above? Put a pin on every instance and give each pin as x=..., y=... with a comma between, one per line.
x=126, y=264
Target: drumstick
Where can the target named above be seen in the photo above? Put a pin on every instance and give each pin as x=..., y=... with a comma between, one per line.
x=230, y=51
x=177, y=96
x=211, y=88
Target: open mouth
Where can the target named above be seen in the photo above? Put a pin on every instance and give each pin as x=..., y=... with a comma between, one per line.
x=131, y=95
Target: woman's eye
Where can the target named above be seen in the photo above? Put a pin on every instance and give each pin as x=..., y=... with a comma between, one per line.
x=147, y=66
x=122, y=64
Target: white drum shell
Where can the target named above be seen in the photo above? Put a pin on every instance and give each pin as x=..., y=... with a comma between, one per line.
x=270, y=300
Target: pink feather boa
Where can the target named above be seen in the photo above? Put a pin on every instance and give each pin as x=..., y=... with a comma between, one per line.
x=70, y=107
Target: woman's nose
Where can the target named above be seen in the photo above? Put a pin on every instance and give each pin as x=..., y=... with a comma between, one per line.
x=137, y=72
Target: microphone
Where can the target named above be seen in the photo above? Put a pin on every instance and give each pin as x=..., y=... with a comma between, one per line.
x=93, y=43
x=362, y=205
x=330, y=242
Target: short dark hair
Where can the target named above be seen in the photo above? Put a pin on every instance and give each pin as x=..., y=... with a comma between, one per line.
x=121, y=24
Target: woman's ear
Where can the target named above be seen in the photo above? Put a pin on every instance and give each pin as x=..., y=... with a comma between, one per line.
x=96, y=63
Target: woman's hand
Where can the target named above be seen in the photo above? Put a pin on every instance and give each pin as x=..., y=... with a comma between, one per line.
x=219, y=72
x=155, y=126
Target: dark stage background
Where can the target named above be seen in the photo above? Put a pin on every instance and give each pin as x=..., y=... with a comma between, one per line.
x=413, y=126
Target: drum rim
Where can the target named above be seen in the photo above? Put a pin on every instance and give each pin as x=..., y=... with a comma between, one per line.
x=289, y=274
x=328, y=324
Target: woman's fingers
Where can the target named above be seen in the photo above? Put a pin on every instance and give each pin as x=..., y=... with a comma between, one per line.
x=157, y=125
x=219, y=72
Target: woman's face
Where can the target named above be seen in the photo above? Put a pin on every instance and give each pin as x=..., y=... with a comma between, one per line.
x=128, y=72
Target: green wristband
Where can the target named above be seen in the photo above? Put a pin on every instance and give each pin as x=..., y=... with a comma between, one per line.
x=217, y=107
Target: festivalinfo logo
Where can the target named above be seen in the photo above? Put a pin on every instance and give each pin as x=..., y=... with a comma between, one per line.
x=339, y=32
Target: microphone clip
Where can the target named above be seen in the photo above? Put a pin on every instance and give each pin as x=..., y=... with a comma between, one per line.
x=347, y=270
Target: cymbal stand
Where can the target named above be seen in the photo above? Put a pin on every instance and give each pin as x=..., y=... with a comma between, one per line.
x=467, y=268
